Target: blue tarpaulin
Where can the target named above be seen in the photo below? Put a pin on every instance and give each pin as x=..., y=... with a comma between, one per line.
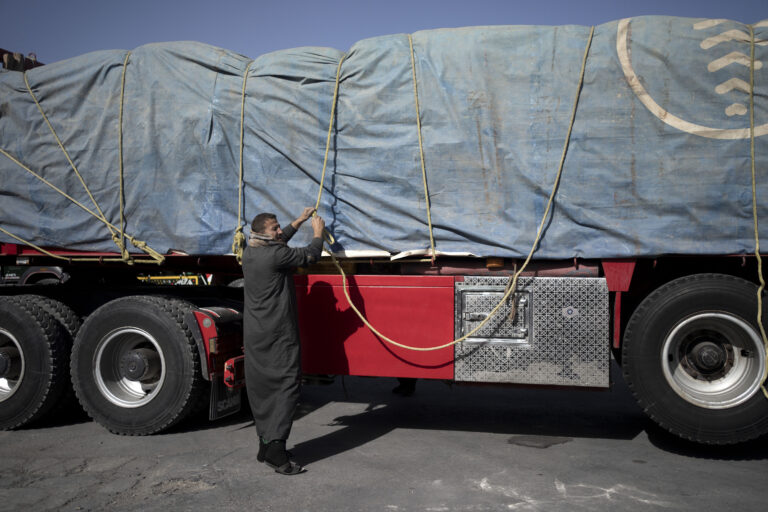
x=658, y=162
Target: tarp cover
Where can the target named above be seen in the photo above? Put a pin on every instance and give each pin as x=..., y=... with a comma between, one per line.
x=658, y=162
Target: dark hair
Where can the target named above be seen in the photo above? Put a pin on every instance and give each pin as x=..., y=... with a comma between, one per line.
x=257, y=226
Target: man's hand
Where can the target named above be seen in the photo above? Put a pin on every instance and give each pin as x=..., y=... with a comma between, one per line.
x=307, y=213
x=318, y=225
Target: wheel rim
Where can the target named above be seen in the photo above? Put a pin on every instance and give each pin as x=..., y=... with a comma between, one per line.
x=112, y=351
x=12, y=354
x=714, y=360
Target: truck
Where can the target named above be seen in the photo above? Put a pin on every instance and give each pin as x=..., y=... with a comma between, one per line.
x=506, y=205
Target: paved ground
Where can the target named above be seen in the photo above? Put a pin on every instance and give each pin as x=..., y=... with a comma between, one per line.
x=444, y=449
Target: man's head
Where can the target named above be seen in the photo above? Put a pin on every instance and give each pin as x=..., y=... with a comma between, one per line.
x=266, y=224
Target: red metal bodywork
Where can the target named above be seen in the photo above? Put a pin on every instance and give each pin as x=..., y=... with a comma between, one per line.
x=234, y=372
x=415, y=310
x=618, y=276
x=221, y=338
x=24, y=250
x=412, y=310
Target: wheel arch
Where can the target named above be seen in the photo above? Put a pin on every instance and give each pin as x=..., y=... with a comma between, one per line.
x=35, y=275
x=651, y=274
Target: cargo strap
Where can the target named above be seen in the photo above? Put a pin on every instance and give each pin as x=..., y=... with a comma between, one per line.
x=121, y=244
x=117, y=234
x=754, y=204
x=512, y=285
x=421, y=148
x=238, y=244
x=157, y=257
x=326, y=234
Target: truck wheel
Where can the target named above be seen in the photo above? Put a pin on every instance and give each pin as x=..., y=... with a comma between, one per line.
x=135, y=366
x=33, y=369
x=60, y=311
x=694, y=359
x=70, y=323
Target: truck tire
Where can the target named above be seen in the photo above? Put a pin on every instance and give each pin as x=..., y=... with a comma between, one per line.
x=60, y=311
x=70, y=323
x=135, y=366
x=33, y=355
x=694, y=359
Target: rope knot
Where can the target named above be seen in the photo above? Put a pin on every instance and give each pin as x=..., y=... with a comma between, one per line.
x=159, y=258
x=238, y=244
x=124, y=254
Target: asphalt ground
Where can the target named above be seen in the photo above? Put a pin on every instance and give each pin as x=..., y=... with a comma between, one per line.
x=446, y=448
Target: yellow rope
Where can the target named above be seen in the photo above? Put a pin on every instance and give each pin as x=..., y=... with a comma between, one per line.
x=159, y=258
x=51, y=185
x=121, y=245
x=66, y=154
x=34, y=246
x=326, y=234
x=511, y=288
x=238, y=243
x=65, y=258
x=421, y=148
x=330, y=130
x=754, y=204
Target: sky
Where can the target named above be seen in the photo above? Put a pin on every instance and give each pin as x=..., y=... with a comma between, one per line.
x=59, y=29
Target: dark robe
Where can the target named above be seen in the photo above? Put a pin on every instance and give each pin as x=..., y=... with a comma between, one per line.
x=271, y=331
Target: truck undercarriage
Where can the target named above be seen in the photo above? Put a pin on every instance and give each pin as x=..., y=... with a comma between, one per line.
x=140, y=357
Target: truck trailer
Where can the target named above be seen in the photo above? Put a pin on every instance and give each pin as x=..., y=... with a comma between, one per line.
x=510, y=205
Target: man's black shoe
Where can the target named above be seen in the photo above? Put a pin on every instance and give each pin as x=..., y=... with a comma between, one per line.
x=278, y=458
x=262, y=450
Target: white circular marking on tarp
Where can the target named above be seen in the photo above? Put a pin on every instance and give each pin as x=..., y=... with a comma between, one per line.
x=622, y=49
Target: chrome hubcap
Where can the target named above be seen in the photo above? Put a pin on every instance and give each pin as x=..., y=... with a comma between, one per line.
x=129, y=367
x=11, y=365
x=713, y=360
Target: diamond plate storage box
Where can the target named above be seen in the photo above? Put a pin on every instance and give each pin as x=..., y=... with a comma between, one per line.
x=557, y=333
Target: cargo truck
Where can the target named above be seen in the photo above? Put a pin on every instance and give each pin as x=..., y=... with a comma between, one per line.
x=507, y=205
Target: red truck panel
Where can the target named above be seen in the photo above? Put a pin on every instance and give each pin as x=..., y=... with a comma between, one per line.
x=412, y=310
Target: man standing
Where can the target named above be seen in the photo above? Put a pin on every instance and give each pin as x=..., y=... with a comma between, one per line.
x=271, y=331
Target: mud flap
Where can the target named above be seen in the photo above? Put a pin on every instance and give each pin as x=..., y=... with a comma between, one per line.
x=224, y=400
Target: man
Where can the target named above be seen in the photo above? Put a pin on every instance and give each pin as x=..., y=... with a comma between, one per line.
x=271, y=331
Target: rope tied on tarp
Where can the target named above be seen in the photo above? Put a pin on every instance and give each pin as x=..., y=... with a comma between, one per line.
x=761, y=288
x=156, y=256
x=421, y=150
x=121, y=241
x=512, y=284
x=117, y=234
x=238, y=242
x=326, y=234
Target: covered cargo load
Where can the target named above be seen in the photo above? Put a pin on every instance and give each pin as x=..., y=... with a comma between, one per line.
x=659, y=159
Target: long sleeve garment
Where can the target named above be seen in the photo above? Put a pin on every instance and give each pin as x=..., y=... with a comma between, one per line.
x=271, y=332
